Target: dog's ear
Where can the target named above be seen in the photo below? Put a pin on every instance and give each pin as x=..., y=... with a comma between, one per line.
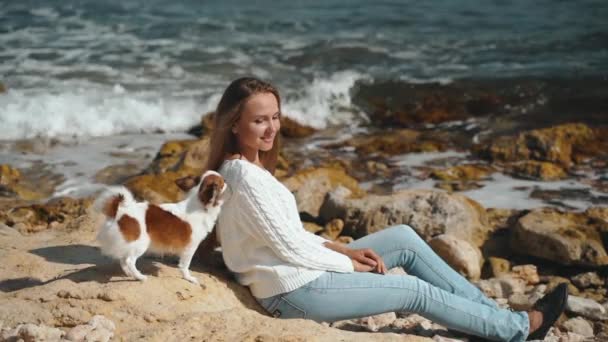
x=188, y=182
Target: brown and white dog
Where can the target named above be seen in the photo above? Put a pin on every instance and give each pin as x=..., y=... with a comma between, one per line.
x=132, y=227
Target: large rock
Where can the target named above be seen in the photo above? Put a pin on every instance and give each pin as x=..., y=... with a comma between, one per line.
x=59, y=279
x=566, y=238
x=429, y=213
x=461, y=255
x=56, y=213
x=310, y=186
x=396, y=142
x=294, y=129
x=533, y=169
x=553, y=144
x=586, y=307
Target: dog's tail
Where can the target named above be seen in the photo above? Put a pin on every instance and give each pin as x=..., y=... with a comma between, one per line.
x=109, y=201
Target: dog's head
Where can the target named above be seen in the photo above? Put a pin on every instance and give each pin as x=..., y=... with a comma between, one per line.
x=211, y=186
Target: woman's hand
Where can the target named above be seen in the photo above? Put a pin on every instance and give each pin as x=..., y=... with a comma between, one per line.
x=366, y=260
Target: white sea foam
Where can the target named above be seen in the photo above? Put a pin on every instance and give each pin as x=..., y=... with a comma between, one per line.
x=325, y=101
x=92, y=113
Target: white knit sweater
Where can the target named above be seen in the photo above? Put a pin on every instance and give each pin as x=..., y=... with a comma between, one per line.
x=263, y=240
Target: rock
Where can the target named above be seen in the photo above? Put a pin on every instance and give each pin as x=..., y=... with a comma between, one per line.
x=519, y=302
x=30, y=332
x=388, y=143
x=458, y=186
x=502, y=287
x=99, y=328
x=157, y=188
x=56, y=213
x=312, y=227
x=345, y=239
x=469, y=172
x=586, y=307
x=566, y=238
x=579, y=326
x=311, y=185
x=181, y=156
x=598, y=213
x=553, y=144
x=292, y=129
x=499, y=266
x=459, y=254
x=2, y=88
x=9, y=175
x=527, y=273
x=532, y=169
x=116, y=174
x=377, y=322
x=429, y=213
x=587, y=279
x=424, y=103
x=333, y=229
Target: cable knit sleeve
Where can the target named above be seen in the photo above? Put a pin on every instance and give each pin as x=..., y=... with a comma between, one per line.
x=290, y=243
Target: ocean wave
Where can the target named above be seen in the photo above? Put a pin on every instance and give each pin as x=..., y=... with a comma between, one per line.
x=92, y=113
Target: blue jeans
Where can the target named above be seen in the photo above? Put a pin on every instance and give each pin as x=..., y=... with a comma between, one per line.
x=431, y=289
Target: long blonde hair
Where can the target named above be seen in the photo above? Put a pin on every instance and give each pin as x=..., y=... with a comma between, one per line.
x=223, y=141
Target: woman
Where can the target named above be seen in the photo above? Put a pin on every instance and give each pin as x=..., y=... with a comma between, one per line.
x=296, y=274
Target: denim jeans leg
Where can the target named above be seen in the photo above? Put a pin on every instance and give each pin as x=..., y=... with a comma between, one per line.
x=401, y=246
x=338, y=296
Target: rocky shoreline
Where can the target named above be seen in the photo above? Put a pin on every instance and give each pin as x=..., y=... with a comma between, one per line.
x=56, y=285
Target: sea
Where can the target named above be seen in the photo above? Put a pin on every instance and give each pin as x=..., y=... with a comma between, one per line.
x=89, y=71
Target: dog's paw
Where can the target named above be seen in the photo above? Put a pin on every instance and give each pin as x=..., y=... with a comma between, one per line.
x=141, y=277
x=192, y=279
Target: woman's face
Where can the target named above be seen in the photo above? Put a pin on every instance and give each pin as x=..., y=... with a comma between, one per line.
x=259, y=123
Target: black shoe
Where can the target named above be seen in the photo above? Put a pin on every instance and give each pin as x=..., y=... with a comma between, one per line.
x=551, y=306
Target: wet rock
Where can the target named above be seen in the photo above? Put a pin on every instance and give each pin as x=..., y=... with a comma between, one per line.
x=333, y=229
x=429, y=213
x=292, y=129
x=458, y=186
x=566, y=238
x=311, y=185
x=424, y=103
x=396, y=142
x=586, y=308
x=116, y=174
x=532, y=169
x=464, y=173
x=459, y=254
x=587, y=279
x=553, y=144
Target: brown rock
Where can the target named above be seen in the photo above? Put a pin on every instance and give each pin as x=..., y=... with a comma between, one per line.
x=528, y=273
x=553, y=144
x=157, y=188
x=292, y=129
x=398, y=142
x=116, y=174
x=499, y=266
x=467, y=172
x=311, y=185
x=532, y=169
x=459, y=254
x=312, y=227
x=2, y=88
x=566, y=238
x=333, y=229
x=429, y=213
